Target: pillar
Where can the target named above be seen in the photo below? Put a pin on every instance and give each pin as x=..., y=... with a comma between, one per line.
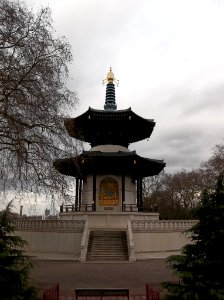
x=139, y=193
x=80, y=193
x=123, y=191
x=76, y=193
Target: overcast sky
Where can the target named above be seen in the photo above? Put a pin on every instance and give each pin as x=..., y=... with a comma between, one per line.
x=169, y=58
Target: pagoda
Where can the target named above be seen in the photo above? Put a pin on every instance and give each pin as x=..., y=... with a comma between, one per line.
x=109, y=175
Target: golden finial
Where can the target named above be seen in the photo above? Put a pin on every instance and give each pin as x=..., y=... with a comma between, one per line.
x=110, y=78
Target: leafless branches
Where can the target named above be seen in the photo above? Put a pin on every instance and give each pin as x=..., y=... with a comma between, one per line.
x=33, y=98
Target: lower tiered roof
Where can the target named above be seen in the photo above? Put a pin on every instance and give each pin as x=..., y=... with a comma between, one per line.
x=90, y=162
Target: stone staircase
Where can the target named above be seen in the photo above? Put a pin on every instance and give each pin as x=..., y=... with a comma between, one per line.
x=107, y=246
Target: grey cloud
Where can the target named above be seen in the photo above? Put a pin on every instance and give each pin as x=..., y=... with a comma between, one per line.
x=189, y=101
x=182, y=145
x=210, y=99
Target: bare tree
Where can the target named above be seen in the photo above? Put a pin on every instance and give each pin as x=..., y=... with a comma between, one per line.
x=181, y=192
x=183, y=188
x=33, y=100
x=152, y=187
x=175, y=194
x=213, y=167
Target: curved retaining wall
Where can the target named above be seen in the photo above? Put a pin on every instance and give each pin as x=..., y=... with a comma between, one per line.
x=62, y=239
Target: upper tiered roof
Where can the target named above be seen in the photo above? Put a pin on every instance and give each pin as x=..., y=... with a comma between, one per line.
x=109, y=126
x=99, y=127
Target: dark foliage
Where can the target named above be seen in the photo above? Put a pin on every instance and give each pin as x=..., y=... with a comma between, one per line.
x=201, y=264
x=14, y=264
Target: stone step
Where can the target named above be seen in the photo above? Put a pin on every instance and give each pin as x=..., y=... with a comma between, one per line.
x=106, y=250
x=107, y=259
x=107, y=239
x=107, y=245
x=117, y=251
x=108, y=254
x=108, y=233
x=121, y=255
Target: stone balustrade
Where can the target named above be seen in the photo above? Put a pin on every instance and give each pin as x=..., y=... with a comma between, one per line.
x=162, y=225
x=50, y=225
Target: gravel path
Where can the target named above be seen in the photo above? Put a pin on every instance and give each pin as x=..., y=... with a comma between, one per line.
x=72, y=274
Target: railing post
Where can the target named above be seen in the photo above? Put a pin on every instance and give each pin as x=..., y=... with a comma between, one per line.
x=130, y=240
x=84, y=242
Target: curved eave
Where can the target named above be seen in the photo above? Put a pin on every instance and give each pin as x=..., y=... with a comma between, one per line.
x=121, y=127
x=128, y=163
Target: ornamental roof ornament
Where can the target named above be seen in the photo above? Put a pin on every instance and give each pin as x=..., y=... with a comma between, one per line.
x=110, y=78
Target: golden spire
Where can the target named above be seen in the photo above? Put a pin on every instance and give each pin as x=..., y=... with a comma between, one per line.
x=110, y=78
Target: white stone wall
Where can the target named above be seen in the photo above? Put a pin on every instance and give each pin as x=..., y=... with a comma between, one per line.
x=158, y=244
x=51, y=239
x=160, y=239
x=52, y=245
